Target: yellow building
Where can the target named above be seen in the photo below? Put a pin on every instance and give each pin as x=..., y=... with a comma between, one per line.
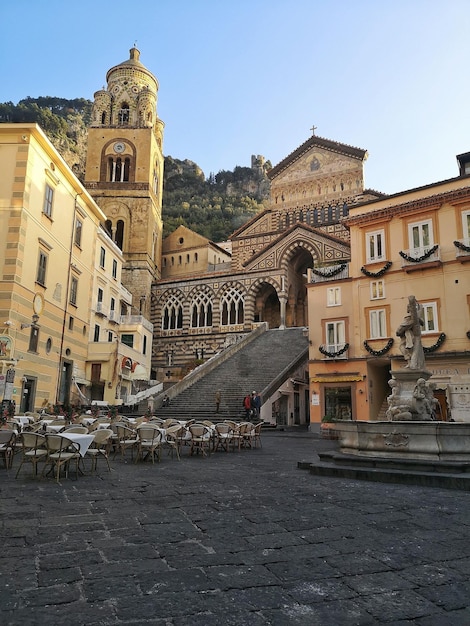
x=185, y=252
x=68, y=333
x=120, y=337
x=48, y=226
x=412, y=243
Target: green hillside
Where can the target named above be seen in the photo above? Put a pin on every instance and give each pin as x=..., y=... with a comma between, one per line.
x=213, y=206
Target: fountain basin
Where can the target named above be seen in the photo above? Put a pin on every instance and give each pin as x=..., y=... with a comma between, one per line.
x=433, y=441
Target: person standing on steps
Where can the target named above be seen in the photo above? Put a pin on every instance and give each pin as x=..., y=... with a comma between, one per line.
x=247, y=405
x=218, y=397
x=255, y=405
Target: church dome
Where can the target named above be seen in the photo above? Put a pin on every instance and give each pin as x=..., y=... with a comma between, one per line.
x=132, y=67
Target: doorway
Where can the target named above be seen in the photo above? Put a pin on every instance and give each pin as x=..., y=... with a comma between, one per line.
x=28, y=394
x=65, y=383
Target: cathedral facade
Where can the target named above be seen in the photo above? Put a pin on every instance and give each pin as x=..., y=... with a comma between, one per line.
x=260, y=276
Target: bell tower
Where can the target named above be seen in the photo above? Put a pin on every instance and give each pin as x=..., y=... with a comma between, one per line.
x=124, y=171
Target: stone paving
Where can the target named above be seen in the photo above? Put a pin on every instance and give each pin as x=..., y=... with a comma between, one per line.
x=236, y=539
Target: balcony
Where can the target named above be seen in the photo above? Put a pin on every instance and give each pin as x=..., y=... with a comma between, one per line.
x=136, y=320
x=420, y=258
x=334, y=351
x=462, y=249
x=100, y=309
x=325, y=274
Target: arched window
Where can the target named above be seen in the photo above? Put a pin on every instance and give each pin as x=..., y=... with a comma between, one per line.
x=201, y=311
x=172, y=315
x=119, y=238
x=232, y=307
x=118, y=169
x=103, y=117
x=155, y=182
x=124, y=114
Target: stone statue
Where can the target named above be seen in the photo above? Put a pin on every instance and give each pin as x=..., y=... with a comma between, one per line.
x=411, y=397
x=409, y=332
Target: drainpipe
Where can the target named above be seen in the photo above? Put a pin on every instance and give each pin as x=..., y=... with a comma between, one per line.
x=64, y=319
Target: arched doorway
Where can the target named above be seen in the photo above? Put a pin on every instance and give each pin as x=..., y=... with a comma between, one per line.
x=296, y=310
x=267, y=306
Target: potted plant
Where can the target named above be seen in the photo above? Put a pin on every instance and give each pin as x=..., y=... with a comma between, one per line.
x=8, y=413
x=112, y=413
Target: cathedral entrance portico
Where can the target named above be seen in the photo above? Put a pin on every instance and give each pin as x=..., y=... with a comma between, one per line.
x=267, y=306
x=296, y=307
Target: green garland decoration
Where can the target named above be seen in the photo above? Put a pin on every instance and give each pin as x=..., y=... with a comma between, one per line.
x=331, y=271
x=384, y=350
x=461, y=246
x=419, y=259
x=334, y=354
x=381, y=272
x=438, y=344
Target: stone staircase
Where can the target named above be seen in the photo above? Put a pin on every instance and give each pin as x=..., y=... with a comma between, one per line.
x=382, y=414
x=262, y=364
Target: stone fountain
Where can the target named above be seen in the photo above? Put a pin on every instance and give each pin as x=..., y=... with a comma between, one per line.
x=411, y=431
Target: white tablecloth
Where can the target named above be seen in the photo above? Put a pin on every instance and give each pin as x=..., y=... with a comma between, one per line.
x=22, y=419
x=83, y=441
x=55, y=428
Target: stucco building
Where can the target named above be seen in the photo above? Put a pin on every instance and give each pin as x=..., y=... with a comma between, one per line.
x=413, y=243
x=60, y=279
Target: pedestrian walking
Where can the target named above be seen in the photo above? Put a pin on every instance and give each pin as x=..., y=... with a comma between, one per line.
x=218, y=397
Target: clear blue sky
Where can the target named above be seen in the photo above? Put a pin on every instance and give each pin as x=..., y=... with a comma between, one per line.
x=243, y=77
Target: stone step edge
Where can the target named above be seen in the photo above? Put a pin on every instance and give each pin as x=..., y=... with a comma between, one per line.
x=459, y=481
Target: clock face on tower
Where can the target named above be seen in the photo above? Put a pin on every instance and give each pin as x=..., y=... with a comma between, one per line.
x=119, y=147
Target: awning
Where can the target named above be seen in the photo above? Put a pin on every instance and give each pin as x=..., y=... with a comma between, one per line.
x=337, y=379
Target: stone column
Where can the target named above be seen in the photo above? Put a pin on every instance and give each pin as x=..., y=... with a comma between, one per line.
x=283, y=303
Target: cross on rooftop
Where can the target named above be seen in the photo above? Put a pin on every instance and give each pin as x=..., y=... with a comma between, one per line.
x=313, y=129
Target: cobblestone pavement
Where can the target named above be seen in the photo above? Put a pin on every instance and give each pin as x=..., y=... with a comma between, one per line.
x=233, y=539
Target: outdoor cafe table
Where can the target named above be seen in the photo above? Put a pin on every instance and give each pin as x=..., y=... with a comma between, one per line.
x=83, y=441
x=22, y=420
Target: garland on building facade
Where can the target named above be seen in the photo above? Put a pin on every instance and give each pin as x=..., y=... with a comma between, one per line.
x=421, y=258
x=381, y=272
x=381, y=352
x=461, y=246
x=438, y=344
x=334, y=354
x=329, y=271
